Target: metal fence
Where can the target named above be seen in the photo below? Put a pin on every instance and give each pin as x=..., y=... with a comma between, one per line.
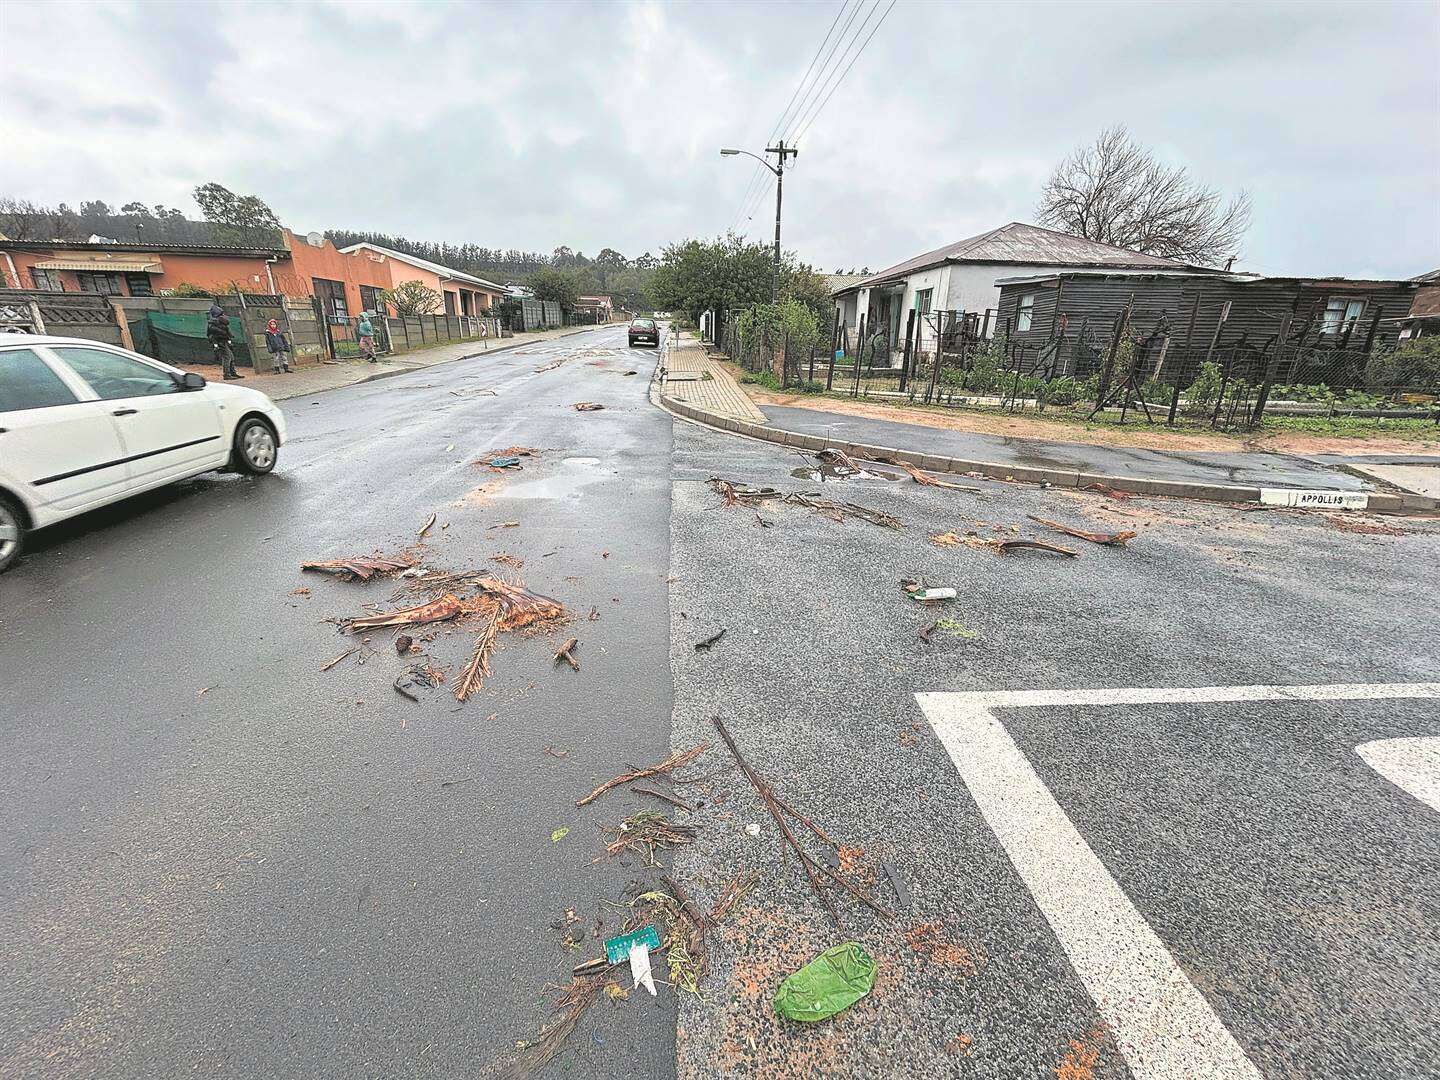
x=398, y=334
x=1116, y=369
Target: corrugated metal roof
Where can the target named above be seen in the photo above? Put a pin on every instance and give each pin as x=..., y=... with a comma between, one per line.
x=1018, y=242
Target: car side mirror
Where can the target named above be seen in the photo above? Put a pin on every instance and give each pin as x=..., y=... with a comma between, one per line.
x=191, y=380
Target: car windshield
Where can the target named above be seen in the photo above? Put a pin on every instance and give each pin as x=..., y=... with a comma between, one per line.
x=644, y=324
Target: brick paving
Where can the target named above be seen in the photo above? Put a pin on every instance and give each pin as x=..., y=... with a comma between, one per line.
x=719, y=394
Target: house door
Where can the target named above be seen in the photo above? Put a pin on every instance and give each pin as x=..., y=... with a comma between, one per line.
x=449, y=302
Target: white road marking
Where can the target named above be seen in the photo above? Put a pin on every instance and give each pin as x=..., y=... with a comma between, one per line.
x=1413, y=765
x=1163, y=1026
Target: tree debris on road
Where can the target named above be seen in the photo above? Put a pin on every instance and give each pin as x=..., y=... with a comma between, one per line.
x=363, y=568
x=736, y=493
x=813, y=869
x=587, y=406
x=1118, y=539
x=567, y=653
x=337, y=659
x=674, y=761
x=429, y=524
x=701, y=646
x=925, y=478
x=645, y=832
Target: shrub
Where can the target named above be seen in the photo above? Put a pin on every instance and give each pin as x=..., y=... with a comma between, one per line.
x=1413, y=364
x=1203, y=392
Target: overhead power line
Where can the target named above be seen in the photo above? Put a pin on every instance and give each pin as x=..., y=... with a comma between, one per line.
x=803, y=95
x=826, y=100
x=828, y=79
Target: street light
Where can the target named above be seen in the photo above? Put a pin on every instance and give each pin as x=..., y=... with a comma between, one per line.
x=783, y=151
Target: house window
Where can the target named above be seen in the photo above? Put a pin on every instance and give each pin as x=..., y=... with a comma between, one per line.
x=104, y=284
x=1340, y=314
x=922, y=300
x=371, y=301
x=46, y=280
x=331, y=295
x=139, y=285
x=1025, y=313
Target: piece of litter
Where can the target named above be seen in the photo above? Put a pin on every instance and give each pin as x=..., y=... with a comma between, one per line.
x=831, y=983
x=587, y=406
x=450, y=447
x=618, y=948
x=753, y=828
x=930, y=596
x=640, y=968
x=559, y=834
x=504, y=463
x=204, y=690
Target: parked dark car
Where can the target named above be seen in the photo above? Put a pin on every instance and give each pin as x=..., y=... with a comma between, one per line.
x=644, y=331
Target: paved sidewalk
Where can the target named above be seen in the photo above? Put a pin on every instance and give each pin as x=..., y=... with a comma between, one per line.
x=1233, y=477
x=315, y=378
x=695, y=379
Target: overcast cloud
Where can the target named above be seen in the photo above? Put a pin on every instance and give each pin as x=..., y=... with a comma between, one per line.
x=594, y=125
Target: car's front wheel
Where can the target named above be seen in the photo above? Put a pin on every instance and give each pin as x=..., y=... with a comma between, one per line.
x=255, y=448
x=12, y=532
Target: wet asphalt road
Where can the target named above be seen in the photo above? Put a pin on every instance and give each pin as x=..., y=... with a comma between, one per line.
x=1296, y=887
x=268, y=878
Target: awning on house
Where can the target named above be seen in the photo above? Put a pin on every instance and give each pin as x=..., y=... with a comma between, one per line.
x=113, y=266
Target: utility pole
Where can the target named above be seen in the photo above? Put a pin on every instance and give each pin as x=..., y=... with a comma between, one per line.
x=782, y=151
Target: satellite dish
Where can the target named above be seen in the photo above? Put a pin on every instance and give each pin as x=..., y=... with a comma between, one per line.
x=315, y=239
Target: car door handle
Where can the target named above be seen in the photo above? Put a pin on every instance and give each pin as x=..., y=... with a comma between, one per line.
x=124, y=412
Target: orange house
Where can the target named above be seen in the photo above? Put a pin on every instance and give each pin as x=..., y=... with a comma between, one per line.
x=345, y=284
x=134, y=270
x=464, y=294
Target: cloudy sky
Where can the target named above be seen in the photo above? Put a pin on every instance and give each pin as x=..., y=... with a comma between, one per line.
x=591, y=125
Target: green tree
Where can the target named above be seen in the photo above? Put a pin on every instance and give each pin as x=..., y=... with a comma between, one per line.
x=609, y=263
x=724, y=274
x=235, y=215
x=556, y=285
x=412, y=298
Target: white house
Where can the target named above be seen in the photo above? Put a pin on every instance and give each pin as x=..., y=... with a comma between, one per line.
x=962, y=276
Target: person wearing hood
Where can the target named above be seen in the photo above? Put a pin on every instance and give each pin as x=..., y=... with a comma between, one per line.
x=279, y=346
x=217, y=329
x=365, y=331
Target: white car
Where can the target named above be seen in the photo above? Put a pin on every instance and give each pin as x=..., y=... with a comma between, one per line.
x=83, y=424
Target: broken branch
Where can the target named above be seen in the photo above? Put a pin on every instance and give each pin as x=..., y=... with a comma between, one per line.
x=1119, y=539
x=566, y=653
x=674, y=761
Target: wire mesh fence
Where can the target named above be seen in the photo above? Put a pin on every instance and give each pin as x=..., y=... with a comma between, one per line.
x=1115, y=369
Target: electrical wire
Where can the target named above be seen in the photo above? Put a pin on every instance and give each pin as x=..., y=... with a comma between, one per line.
x=826, y=100
x=752, y=193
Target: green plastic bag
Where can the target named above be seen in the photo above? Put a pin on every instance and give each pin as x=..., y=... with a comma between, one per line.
x=834, y=980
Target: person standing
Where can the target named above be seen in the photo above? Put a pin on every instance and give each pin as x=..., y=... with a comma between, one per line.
x=217, y=329
x=279, y=347
x=365, y=331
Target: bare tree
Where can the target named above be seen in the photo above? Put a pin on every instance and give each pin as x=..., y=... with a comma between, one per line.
x=21, y=219
x=1117, y=192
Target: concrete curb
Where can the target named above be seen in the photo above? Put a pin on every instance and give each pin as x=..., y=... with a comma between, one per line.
x=1379, y=502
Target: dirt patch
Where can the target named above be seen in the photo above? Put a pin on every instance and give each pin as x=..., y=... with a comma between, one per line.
x=1363, y=526
x=1036, y=427
x=1083, y=1054
x=929, y=940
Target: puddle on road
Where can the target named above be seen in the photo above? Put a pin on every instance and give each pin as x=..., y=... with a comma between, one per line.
x=573, y=475
x=827, y=474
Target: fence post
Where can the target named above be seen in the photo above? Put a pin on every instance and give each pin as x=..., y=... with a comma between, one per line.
x=939, y=352
x=908, y=355
x=1271, y=371
x=859, y=354
x=1122, y=322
